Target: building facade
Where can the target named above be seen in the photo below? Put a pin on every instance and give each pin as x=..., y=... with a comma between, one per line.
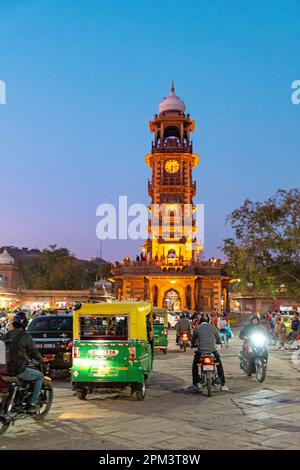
x=170, y=272
x=12, y=296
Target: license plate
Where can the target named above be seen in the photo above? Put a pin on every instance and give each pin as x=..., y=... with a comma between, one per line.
x=46, y=345
x=102, y=372
x=208, y=367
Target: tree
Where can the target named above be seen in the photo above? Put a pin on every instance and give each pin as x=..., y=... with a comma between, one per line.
x=58, y=269
x=265, y=252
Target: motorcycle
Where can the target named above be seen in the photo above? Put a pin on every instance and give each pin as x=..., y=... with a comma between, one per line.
x=184, y=341
x=208, y=372
x=254, y=357
x=15, y=398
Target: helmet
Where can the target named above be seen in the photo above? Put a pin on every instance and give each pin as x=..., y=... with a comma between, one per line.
x=20, y=320
x=204, y=318
x=254, y=317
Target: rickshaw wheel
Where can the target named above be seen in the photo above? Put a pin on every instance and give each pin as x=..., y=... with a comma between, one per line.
x=81, y=394
x=141, y=391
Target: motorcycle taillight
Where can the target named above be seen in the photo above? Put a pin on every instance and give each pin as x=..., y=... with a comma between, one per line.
x=207, y=360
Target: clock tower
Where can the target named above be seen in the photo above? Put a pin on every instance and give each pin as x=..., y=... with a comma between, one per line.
x=170, y=273
x=172, y=225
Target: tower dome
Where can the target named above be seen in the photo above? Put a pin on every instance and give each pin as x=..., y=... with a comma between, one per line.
x=172, y=102
x=6, y=258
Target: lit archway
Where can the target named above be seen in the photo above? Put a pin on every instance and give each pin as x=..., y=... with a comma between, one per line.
x=172, y=300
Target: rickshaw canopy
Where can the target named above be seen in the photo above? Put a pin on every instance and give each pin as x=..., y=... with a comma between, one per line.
x=135, y=311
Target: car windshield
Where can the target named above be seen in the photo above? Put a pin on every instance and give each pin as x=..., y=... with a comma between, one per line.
x=51, y=324
x=103, y=327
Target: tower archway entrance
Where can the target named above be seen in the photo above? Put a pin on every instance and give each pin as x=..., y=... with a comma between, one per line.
x=172, y=300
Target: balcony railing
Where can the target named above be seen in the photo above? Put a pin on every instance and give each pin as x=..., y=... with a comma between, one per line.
x=172, y=146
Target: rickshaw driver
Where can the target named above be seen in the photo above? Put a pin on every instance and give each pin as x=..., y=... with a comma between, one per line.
x=150, y=332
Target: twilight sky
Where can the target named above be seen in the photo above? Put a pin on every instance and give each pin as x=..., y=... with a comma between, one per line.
x=84, y=78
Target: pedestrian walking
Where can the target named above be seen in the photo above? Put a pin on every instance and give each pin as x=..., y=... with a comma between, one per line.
x=222, y=327
x=281, y=333
x=295, y=326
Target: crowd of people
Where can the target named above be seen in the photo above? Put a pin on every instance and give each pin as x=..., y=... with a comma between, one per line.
x=278, y=332
x=209, y=332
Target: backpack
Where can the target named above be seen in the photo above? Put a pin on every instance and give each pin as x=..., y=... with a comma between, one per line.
x=9, y=355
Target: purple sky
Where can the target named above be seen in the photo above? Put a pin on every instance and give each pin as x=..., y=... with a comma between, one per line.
x=83, y=78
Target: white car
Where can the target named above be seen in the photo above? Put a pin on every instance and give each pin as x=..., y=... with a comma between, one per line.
x=173, y=318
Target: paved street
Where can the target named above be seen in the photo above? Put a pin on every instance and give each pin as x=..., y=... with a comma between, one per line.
x=250, y=416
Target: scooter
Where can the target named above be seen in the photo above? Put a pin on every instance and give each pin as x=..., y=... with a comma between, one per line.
x=208, y=372
x=254, y=356
x=184, y=342
x=15, y=398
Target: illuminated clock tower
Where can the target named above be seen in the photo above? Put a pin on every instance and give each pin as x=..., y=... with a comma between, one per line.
x=172, y=225
x=170, y=273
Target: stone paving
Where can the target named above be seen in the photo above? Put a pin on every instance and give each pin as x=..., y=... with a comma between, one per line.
x=249, y=416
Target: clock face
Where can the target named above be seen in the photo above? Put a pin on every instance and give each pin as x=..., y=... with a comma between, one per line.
x=172, y=166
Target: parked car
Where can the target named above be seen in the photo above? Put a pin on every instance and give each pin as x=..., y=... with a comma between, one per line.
x=173, y=318
x=53, y=336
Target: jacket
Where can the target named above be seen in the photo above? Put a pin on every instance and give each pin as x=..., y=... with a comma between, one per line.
x=205, y=337
x=295, y=324
x=249, y=329
x=26, y=349
x=183, y=325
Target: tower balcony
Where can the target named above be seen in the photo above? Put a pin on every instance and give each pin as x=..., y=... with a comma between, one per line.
x=172, y=146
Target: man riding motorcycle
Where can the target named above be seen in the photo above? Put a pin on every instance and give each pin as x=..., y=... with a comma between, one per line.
x=183, y=326
x=26, y=349
x=249, y=330
x=205, y=337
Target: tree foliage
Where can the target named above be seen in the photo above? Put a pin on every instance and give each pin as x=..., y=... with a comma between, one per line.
x=57, y=268
x=265, y=253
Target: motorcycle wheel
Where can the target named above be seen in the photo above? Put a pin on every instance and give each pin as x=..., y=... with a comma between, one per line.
x=261, y=372
x=46, y=399
x=3, y=428
x=209, y=386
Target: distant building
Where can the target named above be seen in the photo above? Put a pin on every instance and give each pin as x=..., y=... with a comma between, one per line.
x=12, y=296
x=9, y=272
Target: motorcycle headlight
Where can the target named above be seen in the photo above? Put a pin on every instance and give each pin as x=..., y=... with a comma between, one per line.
x=258, y=339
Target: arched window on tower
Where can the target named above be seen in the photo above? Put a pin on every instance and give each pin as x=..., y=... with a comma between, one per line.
x=171, y=135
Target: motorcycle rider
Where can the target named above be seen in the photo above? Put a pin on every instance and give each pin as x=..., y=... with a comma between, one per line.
x=205, y=337
x=248, y=330
x=25, y=349
x=183, y=326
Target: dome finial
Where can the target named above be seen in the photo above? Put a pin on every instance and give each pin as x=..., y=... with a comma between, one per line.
x=172, y=88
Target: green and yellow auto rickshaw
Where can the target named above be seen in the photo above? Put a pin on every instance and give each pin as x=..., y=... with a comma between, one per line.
x=112, y=348
x=160, y=321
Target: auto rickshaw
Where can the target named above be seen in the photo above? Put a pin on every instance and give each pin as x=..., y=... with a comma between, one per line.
x=112, y=348
x=287, y=320
x=160, y=321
